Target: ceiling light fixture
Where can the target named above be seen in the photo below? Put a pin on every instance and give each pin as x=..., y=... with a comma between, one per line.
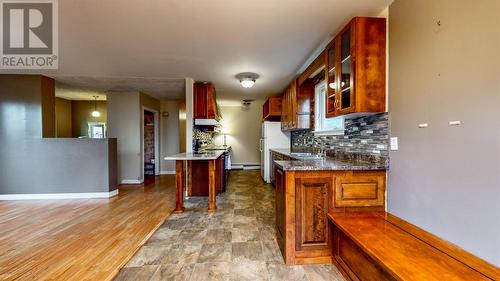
x=247, y=79
x=247, y=82
x=95, y=113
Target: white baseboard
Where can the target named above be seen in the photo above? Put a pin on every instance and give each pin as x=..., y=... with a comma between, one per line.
x=59, y=195
x=167, y=172
x=132, y=181
x=251, y=167
x=238, y=166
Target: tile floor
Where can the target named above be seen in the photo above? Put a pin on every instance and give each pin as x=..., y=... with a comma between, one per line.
x=235, y=243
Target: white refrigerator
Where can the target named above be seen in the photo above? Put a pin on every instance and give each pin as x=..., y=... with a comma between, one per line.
x=272, y=137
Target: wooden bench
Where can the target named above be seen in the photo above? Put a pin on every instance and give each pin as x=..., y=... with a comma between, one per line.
x=380, y=246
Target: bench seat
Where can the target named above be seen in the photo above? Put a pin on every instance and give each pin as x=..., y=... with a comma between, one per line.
x=369, y=247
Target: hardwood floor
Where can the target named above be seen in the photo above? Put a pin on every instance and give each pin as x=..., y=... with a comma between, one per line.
x=84, y=239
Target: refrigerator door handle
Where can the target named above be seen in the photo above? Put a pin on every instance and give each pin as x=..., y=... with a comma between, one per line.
x=260, y=145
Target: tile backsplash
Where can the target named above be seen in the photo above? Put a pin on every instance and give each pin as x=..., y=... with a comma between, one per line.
x=367, y=135
x=205, y=137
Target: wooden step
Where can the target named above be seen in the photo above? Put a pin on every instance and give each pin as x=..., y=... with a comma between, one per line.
x=368, y=246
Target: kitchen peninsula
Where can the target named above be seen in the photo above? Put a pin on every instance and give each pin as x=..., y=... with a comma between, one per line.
x=211, y=167
x=308, y=189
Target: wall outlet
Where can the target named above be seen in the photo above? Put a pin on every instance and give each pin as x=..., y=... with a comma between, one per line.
x=394, y=143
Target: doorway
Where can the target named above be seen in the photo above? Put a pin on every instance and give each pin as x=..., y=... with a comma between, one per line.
x=150, y=145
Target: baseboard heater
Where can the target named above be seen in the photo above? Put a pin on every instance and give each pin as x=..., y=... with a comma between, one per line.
x=245, y=166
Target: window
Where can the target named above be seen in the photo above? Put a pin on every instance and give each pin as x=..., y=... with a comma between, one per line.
x=97, y=130
x=323, y=125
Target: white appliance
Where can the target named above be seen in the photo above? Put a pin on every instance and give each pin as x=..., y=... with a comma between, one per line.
x=272, y=137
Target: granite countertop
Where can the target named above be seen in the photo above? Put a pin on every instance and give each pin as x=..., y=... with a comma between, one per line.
x=216, y=147
x=328, y=164
x=209, y=155
x=352, y=163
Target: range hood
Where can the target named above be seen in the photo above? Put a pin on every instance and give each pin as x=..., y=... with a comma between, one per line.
x=206, y=122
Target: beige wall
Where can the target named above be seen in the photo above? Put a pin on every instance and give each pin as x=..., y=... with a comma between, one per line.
x=81, y=116
x=244, y=125
x=446, y=179
x=63, y=118
x=169, y=133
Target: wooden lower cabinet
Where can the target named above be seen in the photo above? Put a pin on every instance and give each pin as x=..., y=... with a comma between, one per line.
x=303, y=200
x=354, y=262
x=311, y=223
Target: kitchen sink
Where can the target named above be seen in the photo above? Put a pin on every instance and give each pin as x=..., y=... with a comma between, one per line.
x=306, y=155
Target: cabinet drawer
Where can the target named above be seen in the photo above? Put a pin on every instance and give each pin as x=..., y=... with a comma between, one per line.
x=360, y=189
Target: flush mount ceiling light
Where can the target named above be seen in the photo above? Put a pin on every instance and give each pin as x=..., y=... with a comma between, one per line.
x=247, y=79
x=247, y=82
x=95, y=113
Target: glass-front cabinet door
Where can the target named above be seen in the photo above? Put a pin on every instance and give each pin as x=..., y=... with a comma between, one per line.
x=331, y=93
x=346, y=69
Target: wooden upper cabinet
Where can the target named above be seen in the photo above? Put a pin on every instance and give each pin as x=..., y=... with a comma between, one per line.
x=296, y=107
x=356, y=63
x=204, y=100
x=331, y=85
x=271, y=110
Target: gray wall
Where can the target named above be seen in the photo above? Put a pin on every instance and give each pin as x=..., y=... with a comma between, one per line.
x=446, y=179
x=124, y=123
x=30, y=164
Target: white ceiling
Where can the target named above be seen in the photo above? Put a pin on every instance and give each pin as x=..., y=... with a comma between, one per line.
x=147, y=45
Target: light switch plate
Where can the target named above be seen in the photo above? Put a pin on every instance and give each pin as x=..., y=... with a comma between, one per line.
x=394, y=143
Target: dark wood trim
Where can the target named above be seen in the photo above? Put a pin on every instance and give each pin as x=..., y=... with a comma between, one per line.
x=179, y=186
x=211, y=186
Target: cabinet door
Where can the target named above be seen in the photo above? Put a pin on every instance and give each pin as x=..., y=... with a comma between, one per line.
x=211, y=104
x=311, y=208
x=293, y=105
x=346, y=87
x=200, y=100
x=280, y=203
x=360, y=189
x=284, y=107
x=332, y=79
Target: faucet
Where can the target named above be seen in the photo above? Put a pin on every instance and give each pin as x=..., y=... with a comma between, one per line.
x=322, y=150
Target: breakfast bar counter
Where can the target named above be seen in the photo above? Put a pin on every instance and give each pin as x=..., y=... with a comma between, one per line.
x=211, y=157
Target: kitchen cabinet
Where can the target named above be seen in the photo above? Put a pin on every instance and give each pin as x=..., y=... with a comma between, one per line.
x=198, y=176
x=204, y=100
x=271, y=110
x=296, y=106
x=275, y=156
x=356, y=63
x=304, y=199
x=280, y=206
x=311, y=208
